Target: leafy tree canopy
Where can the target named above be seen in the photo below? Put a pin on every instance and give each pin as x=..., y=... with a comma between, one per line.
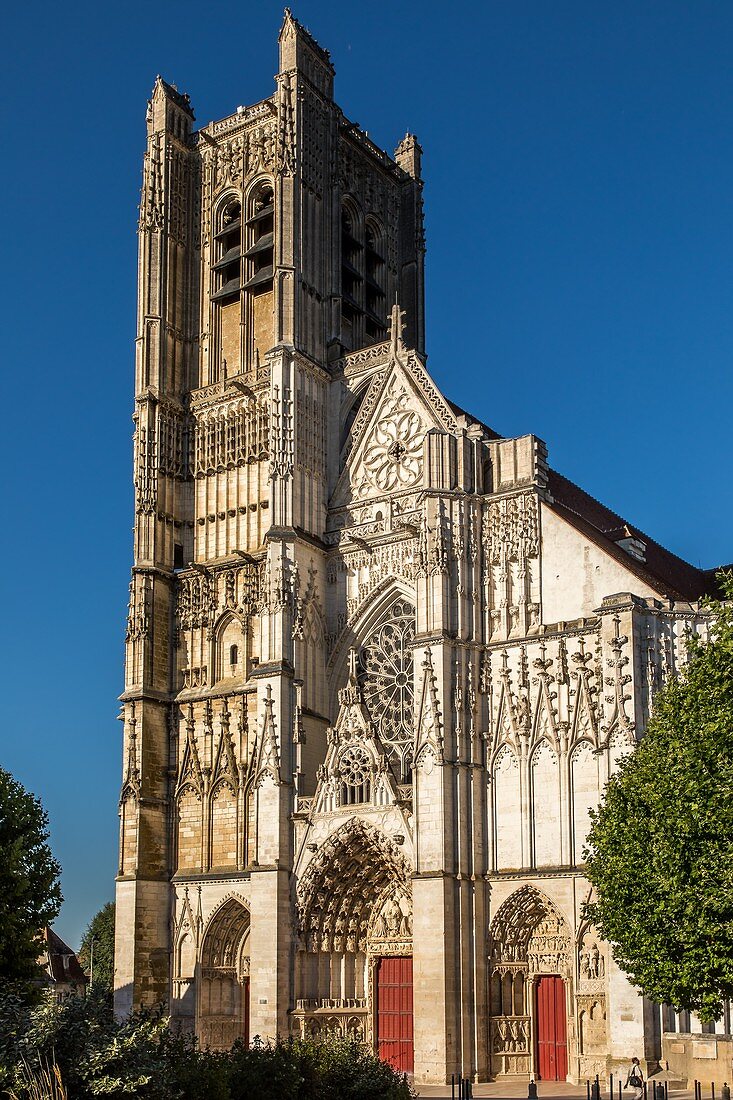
x=30, y=895
x=101, y=933
x=660, y=850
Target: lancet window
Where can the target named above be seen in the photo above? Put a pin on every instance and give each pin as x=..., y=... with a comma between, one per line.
x=226, y=289
x=375, y=299
x=260, y=261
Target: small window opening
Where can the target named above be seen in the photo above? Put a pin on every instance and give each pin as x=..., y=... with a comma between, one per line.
x=228, y=265
x=375, y=298
x=261, y=236
x=352, y=280
x=177, y=555
x=234, y=656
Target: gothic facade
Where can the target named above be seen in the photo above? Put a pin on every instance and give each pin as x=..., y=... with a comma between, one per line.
x=380, y=660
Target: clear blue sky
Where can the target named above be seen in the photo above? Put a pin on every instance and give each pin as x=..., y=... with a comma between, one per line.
x=579, y=175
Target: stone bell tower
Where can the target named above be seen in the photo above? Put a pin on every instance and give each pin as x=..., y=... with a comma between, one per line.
x=272, y=242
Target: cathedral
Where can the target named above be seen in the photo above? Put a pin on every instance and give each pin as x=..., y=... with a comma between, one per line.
x=380, y=659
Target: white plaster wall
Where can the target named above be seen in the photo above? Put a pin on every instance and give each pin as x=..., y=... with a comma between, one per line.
x=577, y=574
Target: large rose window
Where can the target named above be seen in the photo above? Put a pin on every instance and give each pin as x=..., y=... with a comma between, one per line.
x=386, y=677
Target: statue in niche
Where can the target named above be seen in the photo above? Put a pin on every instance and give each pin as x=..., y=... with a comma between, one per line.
x=592, y=963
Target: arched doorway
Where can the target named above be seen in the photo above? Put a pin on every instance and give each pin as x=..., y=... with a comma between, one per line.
x=530, y=962
x=354, y=967
x=223, y=1015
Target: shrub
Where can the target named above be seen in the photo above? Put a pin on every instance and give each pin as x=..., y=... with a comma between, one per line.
x=78, y=1042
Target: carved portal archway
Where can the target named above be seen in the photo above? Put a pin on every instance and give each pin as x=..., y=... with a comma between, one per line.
x=354, y=906
x=223, y=1015
x=529, y=938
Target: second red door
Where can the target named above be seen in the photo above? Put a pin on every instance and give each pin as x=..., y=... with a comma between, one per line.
x=551, y=1029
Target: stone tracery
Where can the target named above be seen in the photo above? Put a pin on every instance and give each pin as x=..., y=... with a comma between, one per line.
x=386, y=677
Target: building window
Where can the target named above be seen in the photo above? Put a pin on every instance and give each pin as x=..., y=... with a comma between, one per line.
x=260, y=267
x=352, y=280
x=177, y=555
x=355, y=770
x=228, y=265
x=227, y=291
x=375, y=297
x=260, y=239
x=233, y=655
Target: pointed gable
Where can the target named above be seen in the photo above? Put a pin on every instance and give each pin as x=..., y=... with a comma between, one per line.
x=385, y=453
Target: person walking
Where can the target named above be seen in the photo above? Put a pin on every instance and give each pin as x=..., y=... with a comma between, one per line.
x=635, y=1079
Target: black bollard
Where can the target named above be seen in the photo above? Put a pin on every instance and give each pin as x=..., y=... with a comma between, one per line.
x=452, y=1086
x=587, y=1090
x=712, y=1090
x=666, y=1090
x=620, y=1092
x=610, y=1088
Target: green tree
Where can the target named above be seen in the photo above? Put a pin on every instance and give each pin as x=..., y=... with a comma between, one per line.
x=101, y=933
x=660, y=849
x=30, y=895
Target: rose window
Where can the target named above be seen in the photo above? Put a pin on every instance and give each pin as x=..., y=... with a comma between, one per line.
x=386, y=677
x=393, y=460
x=355, y=770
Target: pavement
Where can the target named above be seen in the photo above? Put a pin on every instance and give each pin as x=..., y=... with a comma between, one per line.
x=516, y=1089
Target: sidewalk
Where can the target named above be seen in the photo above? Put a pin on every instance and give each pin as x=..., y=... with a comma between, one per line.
x=516, y=1089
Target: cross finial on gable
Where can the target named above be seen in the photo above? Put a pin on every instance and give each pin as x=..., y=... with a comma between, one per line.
x=396, y=328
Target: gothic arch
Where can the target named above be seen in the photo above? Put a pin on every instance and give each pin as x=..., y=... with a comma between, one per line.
x=225, y=199
x=223, y=1002
x=528, y=938
x=335, y=896
x=354, y=904
x=228, y=632
x=253, y=187
x=515, y=924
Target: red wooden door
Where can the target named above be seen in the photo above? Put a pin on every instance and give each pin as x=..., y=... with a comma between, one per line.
x=394, y=1013
x=551, y=1029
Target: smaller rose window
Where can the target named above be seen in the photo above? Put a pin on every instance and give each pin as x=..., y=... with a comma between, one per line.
x=355, y=771
x=394, y=458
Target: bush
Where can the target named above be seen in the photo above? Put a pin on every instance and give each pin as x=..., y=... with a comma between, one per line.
x=97, y=1055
